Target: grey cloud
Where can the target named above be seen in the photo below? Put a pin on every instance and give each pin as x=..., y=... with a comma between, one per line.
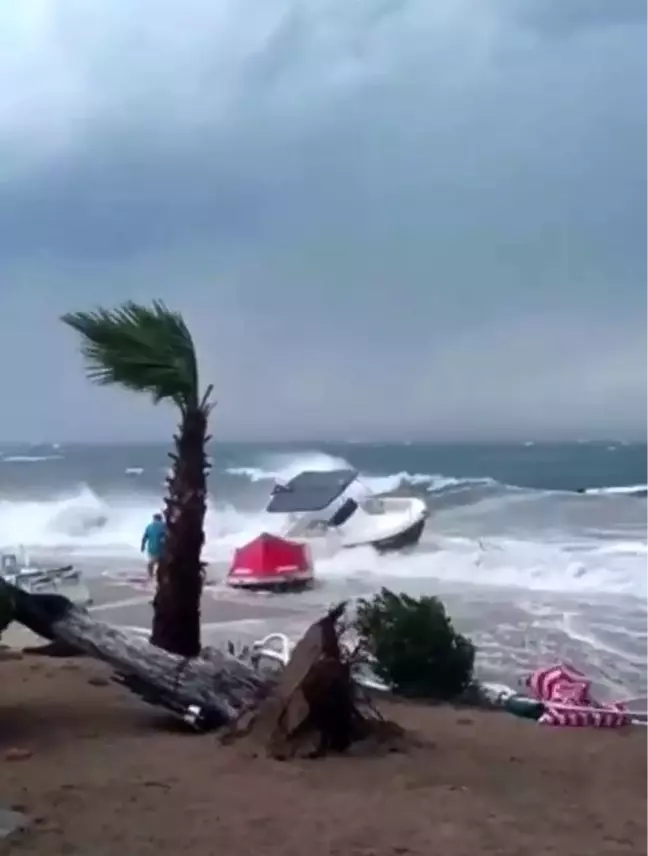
x=122, y=205
x=529, y=133
x=568, y=18
x=399, y=217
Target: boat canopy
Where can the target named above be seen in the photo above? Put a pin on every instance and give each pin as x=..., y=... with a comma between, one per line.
x=267, y=555
x=311, y=490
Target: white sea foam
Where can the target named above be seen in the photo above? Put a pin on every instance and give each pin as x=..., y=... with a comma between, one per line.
x=500, y=555
x=629, y=490
x=29, y=459
x=532, y=575
x=83, y=524
x=283, y=467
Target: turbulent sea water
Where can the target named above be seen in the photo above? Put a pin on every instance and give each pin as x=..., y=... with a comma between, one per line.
x=531, y=569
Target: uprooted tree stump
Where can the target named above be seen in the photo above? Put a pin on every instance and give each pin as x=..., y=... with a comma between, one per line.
x=309, y=709
x=314, y=708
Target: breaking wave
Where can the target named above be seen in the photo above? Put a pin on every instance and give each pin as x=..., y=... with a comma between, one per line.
x=479, y=530
x=282, y=467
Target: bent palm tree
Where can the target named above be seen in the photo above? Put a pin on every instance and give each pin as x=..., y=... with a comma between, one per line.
x=150, y=349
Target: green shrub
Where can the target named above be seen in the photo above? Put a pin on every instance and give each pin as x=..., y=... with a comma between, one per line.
x=413, y=646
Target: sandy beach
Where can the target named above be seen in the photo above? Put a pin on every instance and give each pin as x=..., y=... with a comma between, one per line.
x=99, y=772
x=96, y=770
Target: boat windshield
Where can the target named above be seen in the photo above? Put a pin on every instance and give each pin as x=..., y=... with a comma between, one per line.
x=344, y=512
x=310, y=491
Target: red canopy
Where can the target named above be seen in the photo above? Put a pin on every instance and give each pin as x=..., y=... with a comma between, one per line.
x=269, y=556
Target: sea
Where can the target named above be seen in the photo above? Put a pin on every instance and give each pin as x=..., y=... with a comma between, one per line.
x=538, y=550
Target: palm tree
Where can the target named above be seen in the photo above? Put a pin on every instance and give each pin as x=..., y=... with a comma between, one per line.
x=150, y=349
x=6, y=609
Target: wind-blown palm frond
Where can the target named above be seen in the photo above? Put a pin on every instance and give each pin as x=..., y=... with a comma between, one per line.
x=144, y=349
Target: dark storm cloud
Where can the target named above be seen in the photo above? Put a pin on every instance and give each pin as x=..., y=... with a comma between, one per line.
x=439, y=205
x=122, y=204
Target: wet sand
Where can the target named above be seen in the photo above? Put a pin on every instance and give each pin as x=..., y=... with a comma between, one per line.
x=515, y=631
x=100, y=773
x=225, y=614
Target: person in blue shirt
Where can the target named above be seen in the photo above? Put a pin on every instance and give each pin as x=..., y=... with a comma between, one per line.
x=153, y=543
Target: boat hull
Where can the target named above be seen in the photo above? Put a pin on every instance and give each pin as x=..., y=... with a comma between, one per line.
x=408, y=537
x=279, y=583
x=402, y=540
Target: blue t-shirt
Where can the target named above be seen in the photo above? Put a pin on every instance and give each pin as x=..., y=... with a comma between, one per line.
x=154, y=537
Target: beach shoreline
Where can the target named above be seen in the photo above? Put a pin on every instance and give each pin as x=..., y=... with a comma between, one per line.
x=531, y=570
x=525, y=641
x=128, y=604
x=95, y=771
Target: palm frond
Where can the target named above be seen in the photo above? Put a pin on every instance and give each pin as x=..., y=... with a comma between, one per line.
x=141, y=348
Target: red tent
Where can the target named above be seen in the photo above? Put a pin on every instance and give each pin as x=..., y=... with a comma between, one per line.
x=270, y=561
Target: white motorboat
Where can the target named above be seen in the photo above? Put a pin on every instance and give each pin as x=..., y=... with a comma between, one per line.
x=335, y=509
x=19, y=570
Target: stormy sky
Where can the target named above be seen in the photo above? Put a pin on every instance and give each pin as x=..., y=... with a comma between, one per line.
x=381, y=218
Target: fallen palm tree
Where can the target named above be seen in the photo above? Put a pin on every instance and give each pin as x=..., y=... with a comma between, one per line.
x=210, y=691
x=310, y=707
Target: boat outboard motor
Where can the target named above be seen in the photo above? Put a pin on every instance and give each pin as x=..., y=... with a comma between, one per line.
x=343, y=513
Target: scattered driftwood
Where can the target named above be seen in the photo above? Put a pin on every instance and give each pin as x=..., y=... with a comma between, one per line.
x=309, y=709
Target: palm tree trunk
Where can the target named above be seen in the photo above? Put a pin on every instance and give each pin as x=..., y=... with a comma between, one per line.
x=176, y=615
x=6, y=610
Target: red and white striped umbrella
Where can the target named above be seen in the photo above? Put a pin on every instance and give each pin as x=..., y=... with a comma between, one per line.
x=566, y=695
